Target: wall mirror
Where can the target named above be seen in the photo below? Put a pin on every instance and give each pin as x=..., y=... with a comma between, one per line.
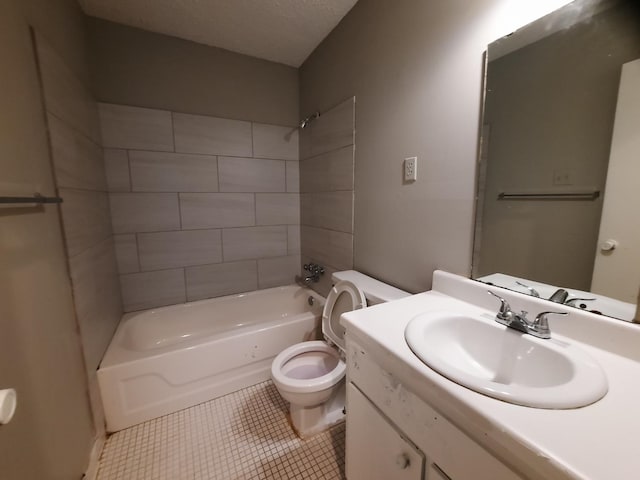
x=558, y=192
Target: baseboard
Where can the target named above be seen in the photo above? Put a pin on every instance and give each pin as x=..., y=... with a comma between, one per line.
x=94, y=459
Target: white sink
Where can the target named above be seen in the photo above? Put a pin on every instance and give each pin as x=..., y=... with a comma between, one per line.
x=497, y=361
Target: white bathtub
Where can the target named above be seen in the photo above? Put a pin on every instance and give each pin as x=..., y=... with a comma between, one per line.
x=166, y=359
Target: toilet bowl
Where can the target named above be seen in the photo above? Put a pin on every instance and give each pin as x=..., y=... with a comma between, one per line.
x=310, y=375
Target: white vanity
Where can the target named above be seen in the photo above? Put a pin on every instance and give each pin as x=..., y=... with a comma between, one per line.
x=407, y=421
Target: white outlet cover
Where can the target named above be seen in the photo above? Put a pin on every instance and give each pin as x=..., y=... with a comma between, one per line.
x=411, y=169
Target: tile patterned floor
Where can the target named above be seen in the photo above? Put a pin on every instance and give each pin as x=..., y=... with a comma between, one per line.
x=244, y=435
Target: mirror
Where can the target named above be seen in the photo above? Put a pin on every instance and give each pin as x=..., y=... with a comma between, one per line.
x=557, y=207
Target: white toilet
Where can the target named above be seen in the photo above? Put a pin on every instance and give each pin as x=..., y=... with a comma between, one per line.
x=310, y=375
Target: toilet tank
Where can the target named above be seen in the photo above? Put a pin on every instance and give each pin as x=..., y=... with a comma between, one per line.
x=375, y=290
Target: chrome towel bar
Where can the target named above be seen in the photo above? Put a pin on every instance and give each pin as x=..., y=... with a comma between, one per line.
x=550, y=196
x=35, y=198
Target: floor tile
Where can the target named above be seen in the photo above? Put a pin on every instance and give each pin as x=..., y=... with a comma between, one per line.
x=244, y=435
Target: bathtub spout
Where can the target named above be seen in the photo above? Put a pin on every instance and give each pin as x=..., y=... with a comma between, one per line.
x=304, y=281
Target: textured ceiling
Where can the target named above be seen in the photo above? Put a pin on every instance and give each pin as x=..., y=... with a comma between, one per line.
x=284, y=31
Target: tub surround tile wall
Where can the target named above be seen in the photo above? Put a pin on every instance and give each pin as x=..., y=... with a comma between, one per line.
x=65, y=95
x=151, y=289
x=210, y=135
x=251, y=175
x=127, y=253
x=116, y=165
x=81, y=180
x=216, y=280
x=293, y=176
x=327, y=191
x=172, y=172
x=179, y=249
x=272, y=141
x=215, y=212
x=144, y=212
x=136, y=128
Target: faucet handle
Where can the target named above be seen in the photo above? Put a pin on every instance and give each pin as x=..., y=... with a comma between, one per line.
x=532, y=291
x=541, y=324
x=505, y=308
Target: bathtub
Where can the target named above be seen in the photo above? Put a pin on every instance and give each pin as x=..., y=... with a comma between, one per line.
x=166, y=359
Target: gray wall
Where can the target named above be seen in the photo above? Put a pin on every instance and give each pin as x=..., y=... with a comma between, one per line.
x=135, y=67
x=202, y=206
x=415, y=68
x=40, y=350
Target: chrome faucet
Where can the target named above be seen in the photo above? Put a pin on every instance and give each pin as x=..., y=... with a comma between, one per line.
x=562, y=296
x=532, y=291
x=538, y=327
x=314, y=270
x=559, y=296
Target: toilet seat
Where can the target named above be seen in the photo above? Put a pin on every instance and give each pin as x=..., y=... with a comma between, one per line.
x=344, y=297
x=301, y=385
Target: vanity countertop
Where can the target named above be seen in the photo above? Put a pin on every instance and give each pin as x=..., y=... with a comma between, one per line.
x=596, y=442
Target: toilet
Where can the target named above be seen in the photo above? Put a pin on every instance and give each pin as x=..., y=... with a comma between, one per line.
x=310, y=375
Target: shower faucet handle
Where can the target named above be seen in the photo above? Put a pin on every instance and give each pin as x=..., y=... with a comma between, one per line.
x=314, y=268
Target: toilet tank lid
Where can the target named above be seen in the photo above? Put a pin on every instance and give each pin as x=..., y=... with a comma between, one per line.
x=375, y=290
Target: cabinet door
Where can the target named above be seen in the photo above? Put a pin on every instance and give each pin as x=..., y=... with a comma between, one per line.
x=375, y=450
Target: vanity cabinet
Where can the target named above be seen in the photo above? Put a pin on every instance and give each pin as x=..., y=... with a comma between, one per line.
x=393, y=434
x=377, y=450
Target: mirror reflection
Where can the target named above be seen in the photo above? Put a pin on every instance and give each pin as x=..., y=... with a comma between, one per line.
x=558, y=196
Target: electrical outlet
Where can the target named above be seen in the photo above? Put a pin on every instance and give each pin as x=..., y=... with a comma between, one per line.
x=563, y=177
x=411, y=169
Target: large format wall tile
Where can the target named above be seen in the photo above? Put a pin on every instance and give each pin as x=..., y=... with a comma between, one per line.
x=328, y=247
x=208, y=281
x=273, y=272
x=251, y=175
x=216, y=210
x=164, y=250
x=273, y=141
x=222, y=198
x=327, y=186
x=152, y=289
x=136, y=128
x=96, y=293
x=80, y=177
x=85, y=217
x=332, y=210
x=333, y=129
x=116, y=166
x=173, y=172
x=77, y=159
x=65, y=95
x=293, y=239
x=254, y=242
x=277, y=209
x=210, y=135
x=328, y=172
x=144, y=212
x=127, y=253
x=293, y=176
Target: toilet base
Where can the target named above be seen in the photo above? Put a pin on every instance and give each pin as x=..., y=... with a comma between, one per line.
x=309, y=421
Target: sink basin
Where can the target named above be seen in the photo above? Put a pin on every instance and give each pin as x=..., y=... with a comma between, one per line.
x=489, y=358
